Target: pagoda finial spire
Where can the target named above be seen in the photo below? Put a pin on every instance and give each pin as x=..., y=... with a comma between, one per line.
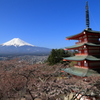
x=87, y=16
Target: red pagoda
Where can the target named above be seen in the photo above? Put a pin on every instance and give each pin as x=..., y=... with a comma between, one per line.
x=88, y=56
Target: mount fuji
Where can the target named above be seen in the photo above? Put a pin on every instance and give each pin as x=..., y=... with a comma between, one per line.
x=17, y=46
x=16, y=42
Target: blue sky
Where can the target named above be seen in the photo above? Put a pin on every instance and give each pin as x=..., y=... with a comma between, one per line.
x=46, y=23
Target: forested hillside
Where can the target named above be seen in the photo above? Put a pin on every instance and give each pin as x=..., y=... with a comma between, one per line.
x=57, y=55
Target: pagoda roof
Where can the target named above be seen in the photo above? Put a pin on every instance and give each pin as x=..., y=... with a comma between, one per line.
x=82, y=44
x=83, y=72
x=83, y=57
x=79, y=34
x=91, y=31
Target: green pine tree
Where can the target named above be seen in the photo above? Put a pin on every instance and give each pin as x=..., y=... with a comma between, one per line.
x=57, y=55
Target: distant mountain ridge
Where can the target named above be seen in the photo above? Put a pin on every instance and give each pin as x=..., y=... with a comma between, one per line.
x=18, y=46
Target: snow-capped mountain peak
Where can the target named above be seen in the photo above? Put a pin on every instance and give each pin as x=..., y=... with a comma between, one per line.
x=16, y=42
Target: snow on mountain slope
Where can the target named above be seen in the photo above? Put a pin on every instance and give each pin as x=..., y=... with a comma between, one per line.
x=16, y=42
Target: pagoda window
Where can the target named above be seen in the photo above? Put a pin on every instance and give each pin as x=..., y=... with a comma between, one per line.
x=93, y=48
x=85, y=51
x=89, y=35
x=80, y=37
x=92, y=38
x=84, y=36
x=85, y=63
x=94, y=51
x=85, y=39
x=79, y=51
x=80, y=48
x=79, y=63
x=79, y=40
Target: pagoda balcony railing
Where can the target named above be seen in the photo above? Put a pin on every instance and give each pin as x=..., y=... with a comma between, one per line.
x=81, y=42
x=80, y=66
x=77, y=42
x=86, y=67
x=79, y=54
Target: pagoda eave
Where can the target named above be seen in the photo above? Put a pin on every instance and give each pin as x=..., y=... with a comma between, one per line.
x=82, y=45
x=71, y=49
x=82, y=58
x=75, y=37
x=89, y=32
